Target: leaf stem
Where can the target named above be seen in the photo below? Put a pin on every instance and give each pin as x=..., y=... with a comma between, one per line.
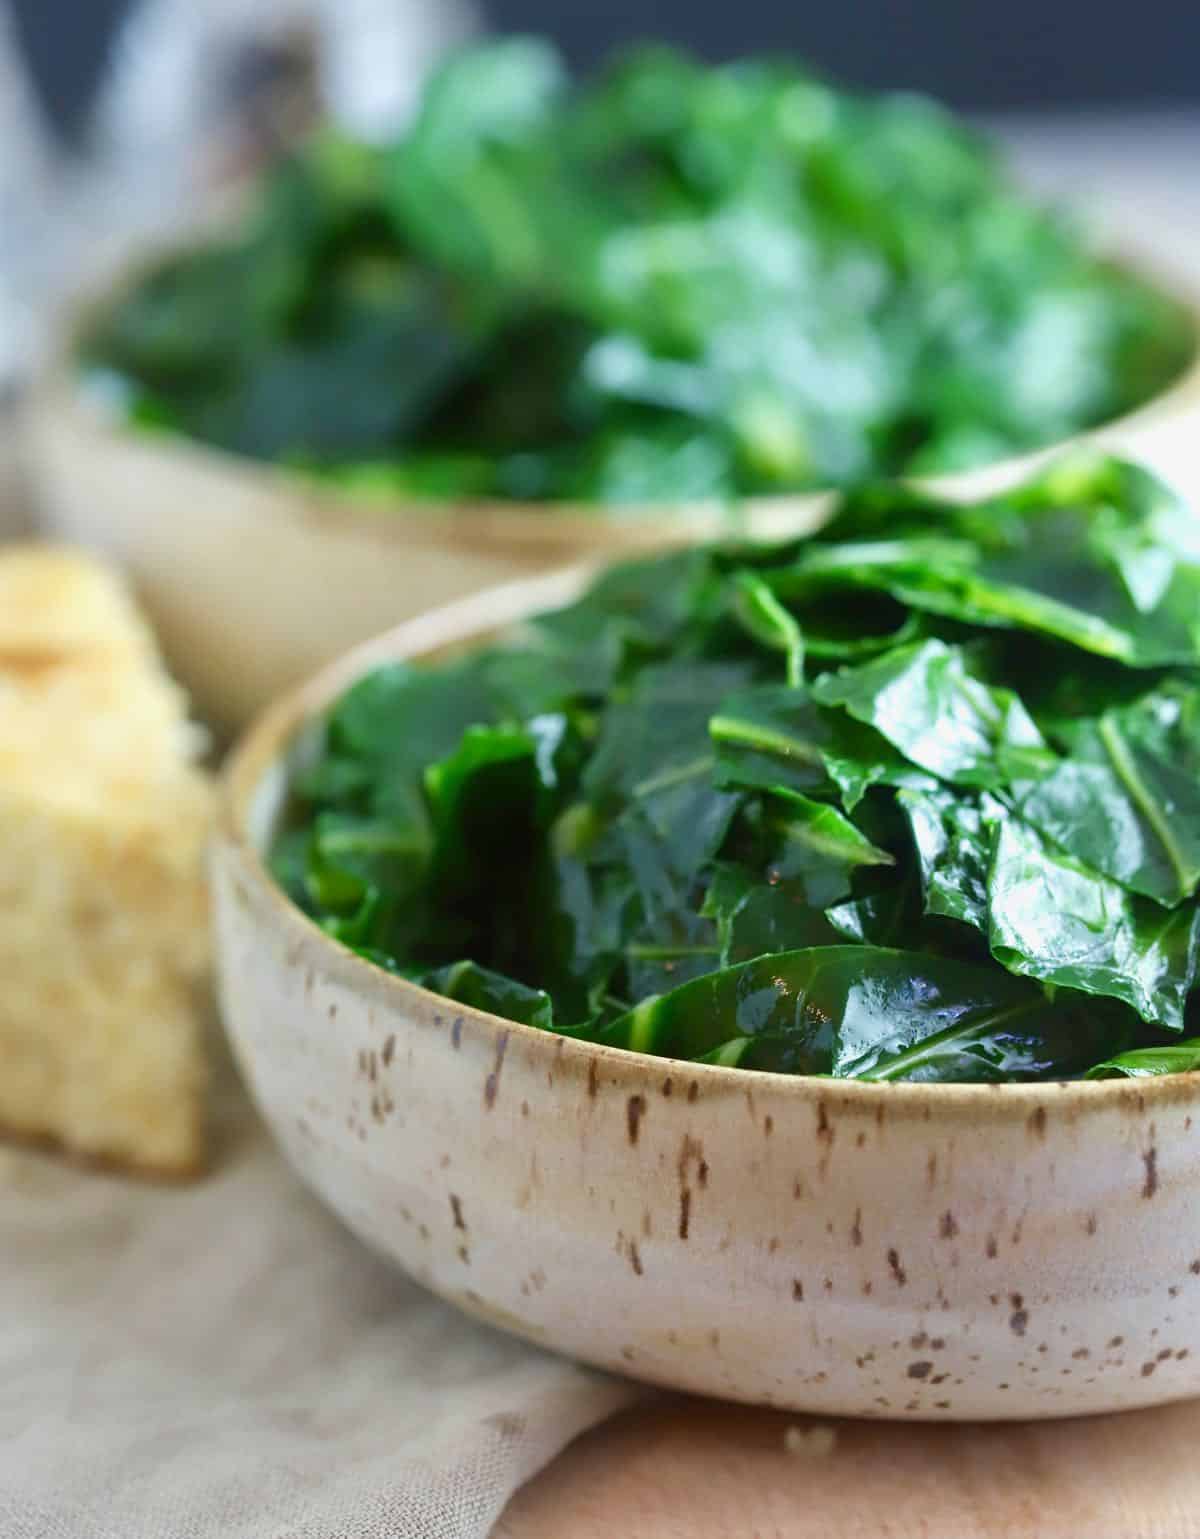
x=1127, y=771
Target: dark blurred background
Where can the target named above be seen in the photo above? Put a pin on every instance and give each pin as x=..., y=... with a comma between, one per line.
x=1019, y=53
x=1023, y=53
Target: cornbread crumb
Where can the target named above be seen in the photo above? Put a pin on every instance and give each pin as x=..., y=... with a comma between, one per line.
x=103, y=917
x=816, y=1442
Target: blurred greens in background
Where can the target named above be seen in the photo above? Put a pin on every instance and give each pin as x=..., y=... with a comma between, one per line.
x=674, y=282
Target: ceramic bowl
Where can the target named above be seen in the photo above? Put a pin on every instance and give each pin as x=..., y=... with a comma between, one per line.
x=899, y=1251
x=253, y=579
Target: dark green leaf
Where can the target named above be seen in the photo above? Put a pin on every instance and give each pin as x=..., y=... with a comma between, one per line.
x=1093, y=553
x=770, y=737
x=1053, y=918
x=1127, y=801
x=973, y=1024
x=870, y=1013
x=352, y=857
x=953, y=837
x=928, y=705
x=469, y=984
x=668, y=283
x=790, y=1001
x=636, y=832
x=755, y=918
x=883, y=918
x=812, y=854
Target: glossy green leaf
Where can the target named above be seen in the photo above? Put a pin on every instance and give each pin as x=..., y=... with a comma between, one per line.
x=953, y=836
x=808, y=838
x=995, y=1030
x=1053, y=918
x=637, y=832
x=884, y=918
x=924, y=700
x=871, y=1013
x=776, y=737
x=1144, y=1062
x=1055, y=558
x=1127, y=801
x=790, y=1001
x=812, y=854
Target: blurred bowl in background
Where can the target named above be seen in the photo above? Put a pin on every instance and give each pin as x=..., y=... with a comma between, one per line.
x=14, y=484
x=254, y=578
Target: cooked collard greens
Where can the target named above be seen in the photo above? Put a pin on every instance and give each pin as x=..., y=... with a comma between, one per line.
x=671, y=283
x=917, y=798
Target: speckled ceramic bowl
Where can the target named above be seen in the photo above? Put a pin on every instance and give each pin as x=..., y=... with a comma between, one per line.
x=254, y=578
x=900, y=1251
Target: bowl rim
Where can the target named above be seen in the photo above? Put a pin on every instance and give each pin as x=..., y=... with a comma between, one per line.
x=57, y=390
x=473, y=620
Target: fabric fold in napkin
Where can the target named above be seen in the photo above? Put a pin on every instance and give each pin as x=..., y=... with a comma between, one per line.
x=225, y=1360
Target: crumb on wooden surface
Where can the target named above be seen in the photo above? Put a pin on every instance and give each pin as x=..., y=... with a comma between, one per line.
x=812, y=1442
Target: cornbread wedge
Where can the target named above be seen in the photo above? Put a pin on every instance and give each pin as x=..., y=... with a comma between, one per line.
x=103, y=923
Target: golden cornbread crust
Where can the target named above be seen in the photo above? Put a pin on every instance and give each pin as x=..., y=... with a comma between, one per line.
x=104, y=818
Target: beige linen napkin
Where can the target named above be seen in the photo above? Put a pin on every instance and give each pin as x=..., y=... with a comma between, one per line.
x=225, y=1360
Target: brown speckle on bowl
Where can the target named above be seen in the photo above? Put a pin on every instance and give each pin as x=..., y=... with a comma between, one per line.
x=1150, y=1161
x=492, y=1084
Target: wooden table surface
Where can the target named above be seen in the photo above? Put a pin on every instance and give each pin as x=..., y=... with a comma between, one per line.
x=689, y=1470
